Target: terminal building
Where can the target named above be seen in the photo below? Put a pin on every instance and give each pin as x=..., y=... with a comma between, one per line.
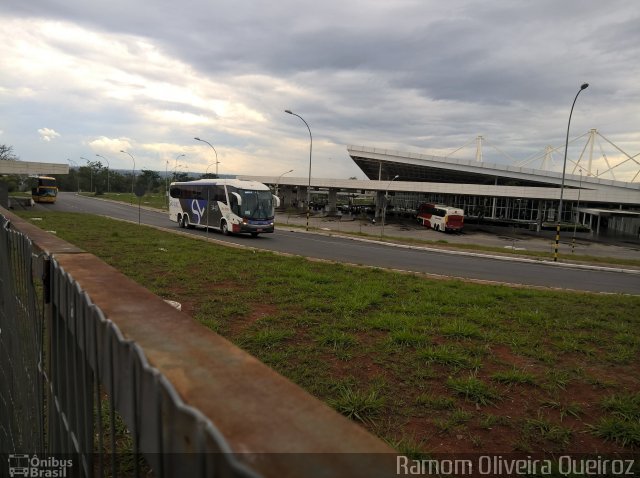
x=494, y=193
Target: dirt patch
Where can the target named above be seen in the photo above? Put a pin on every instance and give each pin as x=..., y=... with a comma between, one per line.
x=259, y=311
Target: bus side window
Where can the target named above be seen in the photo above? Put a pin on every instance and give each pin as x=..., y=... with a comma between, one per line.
x=219, y=195
x=174, y=192
x=233, y=203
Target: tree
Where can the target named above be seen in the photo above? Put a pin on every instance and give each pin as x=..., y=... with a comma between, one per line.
x=181, y=177
x=7, y=154
x=150, y=180
x=14, y=181
x=92, y=173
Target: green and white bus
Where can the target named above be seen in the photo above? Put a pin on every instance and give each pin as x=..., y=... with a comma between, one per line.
x=227, y=205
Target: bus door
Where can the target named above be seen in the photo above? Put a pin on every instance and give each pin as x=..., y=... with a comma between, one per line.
x=215, y=198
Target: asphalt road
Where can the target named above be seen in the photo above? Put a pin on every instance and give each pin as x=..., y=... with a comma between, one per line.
x=453, y=264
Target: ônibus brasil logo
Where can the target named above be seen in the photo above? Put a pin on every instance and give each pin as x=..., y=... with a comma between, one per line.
x=32, y=466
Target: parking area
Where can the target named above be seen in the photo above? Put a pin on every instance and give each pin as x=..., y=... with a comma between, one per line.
x=622, y=247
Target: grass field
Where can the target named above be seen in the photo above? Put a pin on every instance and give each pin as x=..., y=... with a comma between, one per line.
x=155, y=200
x=428, y=365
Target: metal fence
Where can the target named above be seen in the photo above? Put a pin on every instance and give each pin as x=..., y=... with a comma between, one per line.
x=72, y=385
x=21, y=347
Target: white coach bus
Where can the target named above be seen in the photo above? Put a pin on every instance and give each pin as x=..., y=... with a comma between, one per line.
x=227, y=205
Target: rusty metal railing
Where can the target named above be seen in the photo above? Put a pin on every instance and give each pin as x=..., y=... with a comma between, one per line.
x=127, y=375
x=93, y=379
x=21, y=329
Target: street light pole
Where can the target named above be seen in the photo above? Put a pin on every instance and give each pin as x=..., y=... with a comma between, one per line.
x=384, y=207
x=133, y=172
x=278, y=180
x=584, y=86
x=214, y=150
x=166, y=181
x=176, y=161
x=108, y=167
x=310, y=152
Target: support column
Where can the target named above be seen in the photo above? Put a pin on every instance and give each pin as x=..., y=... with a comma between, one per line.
x=333, y=200
x=286, y=196
x=379, y=204
x=539, y=219
x=301, y=197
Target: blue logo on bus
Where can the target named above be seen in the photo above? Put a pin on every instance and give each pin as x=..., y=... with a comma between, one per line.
x=198, y=208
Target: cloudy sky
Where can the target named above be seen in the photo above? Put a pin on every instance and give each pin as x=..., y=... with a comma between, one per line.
x=81, y=78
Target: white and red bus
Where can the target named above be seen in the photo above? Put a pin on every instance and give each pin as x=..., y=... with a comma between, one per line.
x=440, y=217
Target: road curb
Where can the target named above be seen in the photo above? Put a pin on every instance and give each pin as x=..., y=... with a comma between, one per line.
x=470, y=254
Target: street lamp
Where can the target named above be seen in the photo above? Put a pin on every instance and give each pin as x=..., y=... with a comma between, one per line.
x=175, y=168
x=108, y=167
x=584, y=86
x=310, y=151
x=214, y=150
x=133, y=171
x=176, y=161
x=384, y=207
x=278, y=180
x=166, y=174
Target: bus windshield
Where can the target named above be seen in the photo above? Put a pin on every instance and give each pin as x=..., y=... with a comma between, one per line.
x=255, y=204
x=47, y=182
x=46, y=192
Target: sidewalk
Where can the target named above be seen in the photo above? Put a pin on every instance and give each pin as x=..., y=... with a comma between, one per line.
x=490, y=236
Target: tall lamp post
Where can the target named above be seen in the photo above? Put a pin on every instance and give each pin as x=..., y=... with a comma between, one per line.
x=166, y=179
x=133, y=172
x=206, y=171
x=584, y=86
x=176, y=161
x=278, y=180
x=166, y=186
x=108, y=167
x=214, y=150
x=310, y=151
x=386, y=199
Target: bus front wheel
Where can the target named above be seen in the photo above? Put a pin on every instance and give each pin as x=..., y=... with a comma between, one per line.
x=225, y=228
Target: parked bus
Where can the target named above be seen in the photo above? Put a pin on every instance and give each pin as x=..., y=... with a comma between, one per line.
x=227, y=205
x=440, y=218
x=46, y=190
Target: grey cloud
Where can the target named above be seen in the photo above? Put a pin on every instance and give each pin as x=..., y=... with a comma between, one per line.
x=420, y=73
